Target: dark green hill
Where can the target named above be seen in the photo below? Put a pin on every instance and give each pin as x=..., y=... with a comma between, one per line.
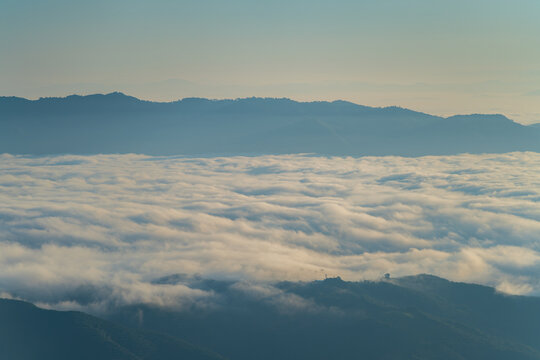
x=513, y=317
x=31, y=333
x=420, y=317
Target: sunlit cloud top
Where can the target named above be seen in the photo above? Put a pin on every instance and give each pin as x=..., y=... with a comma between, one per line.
x=119, y=222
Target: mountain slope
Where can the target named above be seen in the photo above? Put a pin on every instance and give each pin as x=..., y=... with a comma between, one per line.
x=30, y=333
x=412, y=318
x=511, y=317
x=417, y=317
x=116, y=123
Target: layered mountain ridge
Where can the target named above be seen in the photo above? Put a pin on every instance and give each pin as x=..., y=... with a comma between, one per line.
x=117, y=123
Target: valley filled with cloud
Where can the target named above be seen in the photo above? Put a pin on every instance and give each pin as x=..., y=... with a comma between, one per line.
x=90, y=231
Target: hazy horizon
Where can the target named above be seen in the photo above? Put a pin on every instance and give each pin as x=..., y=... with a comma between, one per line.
x=437, y=57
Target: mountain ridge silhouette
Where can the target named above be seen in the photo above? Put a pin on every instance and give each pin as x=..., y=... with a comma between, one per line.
x=413, y=317
x=118, y=123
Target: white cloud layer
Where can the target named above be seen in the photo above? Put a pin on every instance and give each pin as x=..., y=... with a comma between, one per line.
x=82, y=229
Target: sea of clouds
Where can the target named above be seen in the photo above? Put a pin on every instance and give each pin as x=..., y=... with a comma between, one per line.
x=81, y=231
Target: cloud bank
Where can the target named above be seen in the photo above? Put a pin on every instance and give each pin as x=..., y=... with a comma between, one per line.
x=78, y=231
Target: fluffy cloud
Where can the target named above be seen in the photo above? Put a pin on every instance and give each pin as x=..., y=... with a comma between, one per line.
x=85, y=229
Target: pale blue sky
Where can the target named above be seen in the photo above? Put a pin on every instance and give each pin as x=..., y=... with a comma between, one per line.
x=442, y=57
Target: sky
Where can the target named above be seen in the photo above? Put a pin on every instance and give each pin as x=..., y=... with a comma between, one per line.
x=442, y=57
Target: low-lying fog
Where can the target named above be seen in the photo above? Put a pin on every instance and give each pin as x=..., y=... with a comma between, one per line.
x=107, y=226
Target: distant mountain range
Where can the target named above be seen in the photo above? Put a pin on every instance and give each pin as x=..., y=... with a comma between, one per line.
x=116, y=123
x=419, y=317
